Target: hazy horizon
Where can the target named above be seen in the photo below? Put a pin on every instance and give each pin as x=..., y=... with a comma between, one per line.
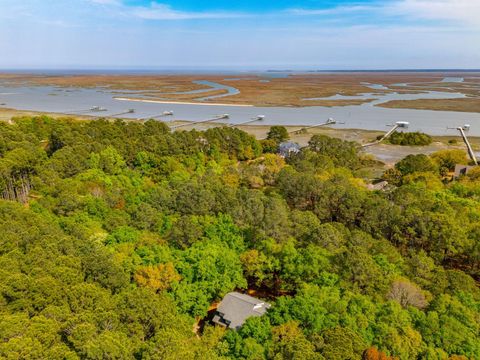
x=216, y=69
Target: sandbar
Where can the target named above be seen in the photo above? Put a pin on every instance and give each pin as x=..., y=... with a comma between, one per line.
x=180, y=102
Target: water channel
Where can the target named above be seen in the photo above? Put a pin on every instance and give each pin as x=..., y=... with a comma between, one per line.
x=366, y=116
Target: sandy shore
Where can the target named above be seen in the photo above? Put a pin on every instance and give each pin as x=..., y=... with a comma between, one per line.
x=180, y=102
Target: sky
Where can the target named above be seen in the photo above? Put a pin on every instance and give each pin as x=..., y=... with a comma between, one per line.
x=240, y=35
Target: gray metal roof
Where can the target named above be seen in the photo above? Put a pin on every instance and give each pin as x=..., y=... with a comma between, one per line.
x=235, y=308
x=287, y=148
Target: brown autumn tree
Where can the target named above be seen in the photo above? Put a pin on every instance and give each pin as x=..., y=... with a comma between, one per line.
x=407, y=294
x=374, y=354
x=158, y=277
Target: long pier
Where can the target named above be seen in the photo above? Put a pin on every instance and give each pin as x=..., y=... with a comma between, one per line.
x=330, y=121
x=398, y=124
x=258, y=118
x=85, y=111
x=163, y=114
x=75, y=112
x=463, y=129
x=219, y=117
x=129, y=111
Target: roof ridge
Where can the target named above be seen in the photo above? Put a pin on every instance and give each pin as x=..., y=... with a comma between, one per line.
x=246, y=298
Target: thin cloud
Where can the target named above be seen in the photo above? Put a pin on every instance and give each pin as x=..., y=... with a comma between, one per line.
x=165, y=12
x=465, y=12
x=461, y=12
x=106, y=2
x=339, y=10
x=159, y=11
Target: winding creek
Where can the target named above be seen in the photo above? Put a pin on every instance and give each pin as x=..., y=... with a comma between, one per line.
x=366, y=116
x=383, y=98
x=213, y=86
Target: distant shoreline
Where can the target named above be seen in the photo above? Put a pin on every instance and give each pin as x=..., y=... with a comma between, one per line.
x=179, y=102
x=212, y=71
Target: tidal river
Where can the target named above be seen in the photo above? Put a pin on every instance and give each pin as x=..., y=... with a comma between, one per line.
x=366, y=116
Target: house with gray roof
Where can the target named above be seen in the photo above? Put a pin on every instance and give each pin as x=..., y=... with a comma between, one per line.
x=288, y=148
x=236, y=308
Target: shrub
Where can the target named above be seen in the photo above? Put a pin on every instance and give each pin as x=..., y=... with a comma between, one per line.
x=410, y=138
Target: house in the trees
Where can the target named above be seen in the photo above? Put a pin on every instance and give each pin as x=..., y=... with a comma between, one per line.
x=235, y=308
x=288, y=148
x=462, y=170
x=379, y=186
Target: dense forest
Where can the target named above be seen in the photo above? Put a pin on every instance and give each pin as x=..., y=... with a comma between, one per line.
x=117, y=238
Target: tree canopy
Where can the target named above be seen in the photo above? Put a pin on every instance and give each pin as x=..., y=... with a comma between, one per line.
x=119, y=237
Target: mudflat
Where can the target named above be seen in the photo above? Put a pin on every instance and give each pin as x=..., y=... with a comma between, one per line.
x=464, y=105
x=292, y=90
